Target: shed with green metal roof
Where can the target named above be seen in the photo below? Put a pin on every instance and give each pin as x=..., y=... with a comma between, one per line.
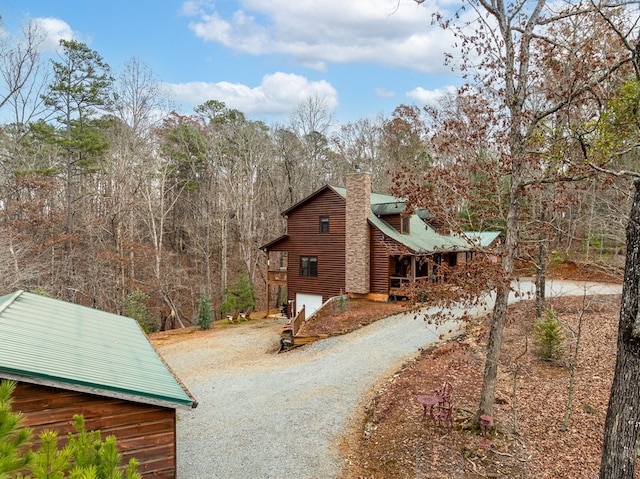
x=69, y=359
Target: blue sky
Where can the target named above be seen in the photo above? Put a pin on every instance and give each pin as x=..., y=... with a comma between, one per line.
x=263, y=57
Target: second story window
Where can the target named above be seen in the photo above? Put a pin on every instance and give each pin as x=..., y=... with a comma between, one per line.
x=309, y=266
x=324, y=224
x=405, y=225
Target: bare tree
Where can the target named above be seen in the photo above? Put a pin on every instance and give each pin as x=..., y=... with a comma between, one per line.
x=361, y=144
x=114, y=230
x=506, y=47
x=21, y=72
x=311, y=121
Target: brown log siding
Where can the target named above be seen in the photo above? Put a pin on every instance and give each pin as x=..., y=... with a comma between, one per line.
x=382, y=247
x=379, y=263
x=143, y=431
x=305, y=239
x=395, y=221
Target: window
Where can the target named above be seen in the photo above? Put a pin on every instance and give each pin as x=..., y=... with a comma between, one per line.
x=405, y=225
x=324, y=224
x=309, y=266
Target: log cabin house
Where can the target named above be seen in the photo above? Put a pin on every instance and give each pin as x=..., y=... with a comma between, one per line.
x=69, y=359
x=350, y=240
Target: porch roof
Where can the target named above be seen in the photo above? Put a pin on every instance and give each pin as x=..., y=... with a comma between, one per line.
x=273, y=243
x=422, y=238
x=484, y=238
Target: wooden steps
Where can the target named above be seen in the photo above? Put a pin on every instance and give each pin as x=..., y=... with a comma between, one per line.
x=298, y=340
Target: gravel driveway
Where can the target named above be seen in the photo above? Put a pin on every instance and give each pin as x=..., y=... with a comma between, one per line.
x=267, y=415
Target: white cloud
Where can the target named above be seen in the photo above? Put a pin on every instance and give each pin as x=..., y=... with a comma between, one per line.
x=384, y=93
x=430, y=97
x=191, y=8
x=315, y=33
x=54, y=30
x=278, y=94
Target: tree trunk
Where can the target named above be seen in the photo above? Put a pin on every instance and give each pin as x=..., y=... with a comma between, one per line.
x=487, y=396
x=622, y=425
x=499, y=317
x=541, y=279
x=541, y=262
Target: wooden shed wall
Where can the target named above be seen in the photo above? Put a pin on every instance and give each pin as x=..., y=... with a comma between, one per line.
x=305, y=239
x=143, y=431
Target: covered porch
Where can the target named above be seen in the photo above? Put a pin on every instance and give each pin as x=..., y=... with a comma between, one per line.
x=406, y=269
x=276, y=284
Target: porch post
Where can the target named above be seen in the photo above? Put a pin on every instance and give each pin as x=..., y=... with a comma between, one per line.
x=268, y=303
x=268, y=288
x=413, y=268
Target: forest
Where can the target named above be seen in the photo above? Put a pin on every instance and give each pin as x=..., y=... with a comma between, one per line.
x=112, y=199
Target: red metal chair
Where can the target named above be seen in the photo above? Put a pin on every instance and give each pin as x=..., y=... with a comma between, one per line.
x=439, y=405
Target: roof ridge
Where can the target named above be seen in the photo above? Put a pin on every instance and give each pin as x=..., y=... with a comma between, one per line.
x=10, y=300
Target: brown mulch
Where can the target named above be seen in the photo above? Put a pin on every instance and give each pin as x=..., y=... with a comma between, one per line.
x=348, y=316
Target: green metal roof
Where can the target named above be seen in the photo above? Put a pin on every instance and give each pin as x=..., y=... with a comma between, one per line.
x=421, y=238
x=483, y=239
x=376, y=198
x=382, y=209
x=52, y=341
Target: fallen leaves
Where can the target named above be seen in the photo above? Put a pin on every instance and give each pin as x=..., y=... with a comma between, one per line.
x=413, y=448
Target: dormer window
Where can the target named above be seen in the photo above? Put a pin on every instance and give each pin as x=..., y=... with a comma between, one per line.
x=324, y=224
x=404, y=225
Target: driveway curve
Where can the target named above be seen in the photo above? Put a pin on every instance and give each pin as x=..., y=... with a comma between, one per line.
x=266, y=415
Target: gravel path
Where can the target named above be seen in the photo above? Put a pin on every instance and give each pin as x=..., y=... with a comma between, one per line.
x=266, y=415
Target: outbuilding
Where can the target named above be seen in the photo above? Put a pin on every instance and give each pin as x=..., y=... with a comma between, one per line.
x=69, y=359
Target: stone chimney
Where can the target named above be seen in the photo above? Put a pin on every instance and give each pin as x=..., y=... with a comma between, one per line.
x=357, y=268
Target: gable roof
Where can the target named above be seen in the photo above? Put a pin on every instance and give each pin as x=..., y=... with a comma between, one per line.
x=65, y=345
x=377, y=199
x=310, y=197
x=422, y=238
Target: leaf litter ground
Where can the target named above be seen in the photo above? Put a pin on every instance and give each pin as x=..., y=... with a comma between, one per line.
x=391, y=439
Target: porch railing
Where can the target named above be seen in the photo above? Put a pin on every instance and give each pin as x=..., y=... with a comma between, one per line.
x=297, y=321
x=278, y=275
x=396, y=282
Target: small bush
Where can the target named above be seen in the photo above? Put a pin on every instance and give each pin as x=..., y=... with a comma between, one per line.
x=85, y=455
x=549, y=337
x=205, y=316
x=238, y=298
x=135, y=307
x=41, y=292
x=15, y=454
